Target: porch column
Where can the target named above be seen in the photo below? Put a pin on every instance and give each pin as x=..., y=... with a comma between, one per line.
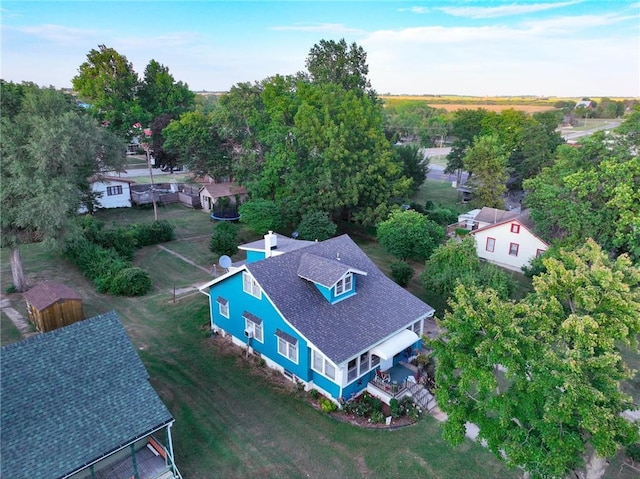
x=170, y=447
x=134, y=462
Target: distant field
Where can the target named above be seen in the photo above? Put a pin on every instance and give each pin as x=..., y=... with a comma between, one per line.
x=529, y=104
x=498, y=108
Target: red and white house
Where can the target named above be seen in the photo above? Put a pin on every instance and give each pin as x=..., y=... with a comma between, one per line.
x=506, y=238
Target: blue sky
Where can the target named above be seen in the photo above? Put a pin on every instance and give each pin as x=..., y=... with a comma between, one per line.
x=514, y=47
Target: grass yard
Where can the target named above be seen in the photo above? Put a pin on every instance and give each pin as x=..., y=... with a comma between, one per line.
x=235, y=420
x=440, y=193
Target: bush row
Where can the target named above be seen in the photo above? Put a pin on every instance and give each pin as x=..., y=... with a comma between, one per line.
x=124, y=240
x=109, y=272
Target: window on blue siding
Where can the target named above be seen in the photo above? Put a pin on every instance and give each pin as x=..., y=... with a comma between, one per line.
x=223, y=306
x=287, y=349
x=322, y=365
x=253, y=324
x=250, y=285
x=352, y=369
x=344, y=285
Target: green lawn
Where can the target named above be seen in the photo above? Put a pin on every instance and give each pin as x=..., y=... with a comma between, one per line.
x=235, y=420
x=440, y=193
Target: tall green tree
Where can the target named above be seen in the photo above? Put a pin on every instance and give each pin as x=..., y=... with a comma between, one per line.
x=487, y=162
x=409, y=235
x=316, y=226
x=414, y=164
x=457, y=262
x=194, y=139
x=49, y=150
x=541, y=377
x=466, y=125
x=160, y=94
x=109, y=83
x=339, y=64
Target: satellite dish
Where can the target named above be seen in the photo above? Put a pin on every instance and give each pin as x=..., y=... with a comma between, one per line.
x=294, y=235
x=224, y=261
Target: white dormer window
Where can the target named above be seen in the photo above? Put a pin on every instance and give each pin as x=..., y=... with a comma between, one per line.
x=250, y=285
x=344, y=285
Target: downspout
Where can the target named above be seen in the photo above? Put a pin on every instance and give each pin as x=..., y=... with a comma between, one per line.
x=170, y=447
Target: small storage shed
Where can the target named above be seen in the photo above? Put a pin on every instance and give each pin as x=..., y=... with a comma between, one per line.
x=53, y=305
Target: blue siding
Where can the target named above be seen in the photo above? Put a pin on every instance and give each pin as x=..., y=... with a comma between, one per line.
x=329, y=293
x=326, y=292
x=253, y=256
x=239, y=302
x=325, y=383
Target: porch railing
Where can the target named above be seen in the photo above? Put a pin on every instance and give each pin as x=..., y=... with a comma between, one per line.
x=391, y=388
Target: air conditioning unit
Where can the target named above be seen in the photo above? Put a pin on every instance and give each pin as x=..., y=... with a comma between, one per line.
x=248, y=333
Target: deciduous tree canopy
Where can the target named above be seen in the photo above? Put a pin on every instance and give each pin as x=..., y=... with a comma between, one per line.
x=49, y=150
x=541, y=377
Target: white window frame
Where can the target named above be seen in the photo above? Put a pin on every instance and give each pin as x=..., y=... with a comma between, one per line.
x=344, y=285
x=352, y=371
x=250, y=285
x=223, y=309
x=255, y=328
x=364, y=363
x=287, y=349
x=320, y=364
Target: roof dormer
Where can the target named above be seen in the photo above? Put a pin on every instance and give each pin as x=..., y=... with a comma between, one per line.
x=333, y=278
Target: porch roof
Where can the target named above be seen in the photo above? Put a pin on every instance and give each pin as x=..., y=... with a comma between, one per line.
x=392, y=346
x=72, y=396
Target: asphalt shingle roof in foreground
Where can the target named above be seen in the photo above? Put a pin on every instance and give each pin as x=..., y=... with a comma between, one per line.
x=71, y=396
x=379, y=308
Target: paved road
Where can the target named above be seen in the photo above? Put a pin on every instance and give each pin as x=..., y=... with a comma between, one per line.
x=568, y=134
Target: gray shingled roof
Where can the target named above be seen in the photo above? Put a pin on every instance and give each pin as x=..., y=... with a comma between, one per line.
x=494, y=215
x=378, y=309
x=324, y=271
x=71, y=396
x=285, y=244
x=45, y=294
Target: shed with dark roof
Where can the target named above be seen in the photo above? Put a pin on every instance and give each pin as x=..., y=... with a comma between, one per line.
x=53, y=305
x=77, y=401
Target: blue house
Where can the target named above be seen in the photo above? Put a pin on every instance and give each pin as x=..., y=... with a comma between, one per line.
x=322, y=313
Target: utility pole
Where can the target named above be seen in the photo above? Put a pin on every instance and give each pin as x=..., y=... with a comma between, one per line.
x=153, y=190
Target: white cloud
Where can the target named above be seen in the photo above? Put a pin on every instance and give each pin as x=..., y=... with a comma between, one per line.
x=333, y=28
x=503, y=10
x=572, y=23
x=57, y=33
x=419, y=10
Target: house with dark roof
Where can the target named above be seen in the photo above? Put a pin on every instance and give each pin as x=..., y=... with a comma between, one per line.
x=322, y=313
x=77, y=403
x=505, y=238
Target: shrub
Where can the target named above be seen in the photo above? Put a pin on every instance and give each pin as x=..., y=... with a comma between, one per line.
x=377, y=417
x=316, y=226
x=130, y=282
x=394, y=408
x=11, y=289
x=462, y=232
x=315, y=394
x=633, y=451
x=153, y=233
x=224, y=240
x=442, y=216
x=327, y=405
x=401, y=272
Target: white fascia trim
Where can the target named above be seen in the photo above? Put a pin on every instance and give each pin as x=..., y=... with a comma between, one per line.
x=203, y=288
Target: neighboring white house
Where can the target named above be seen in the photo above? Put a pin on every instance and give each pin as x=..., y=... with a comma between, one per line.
x=115, y=192
x=506, y=238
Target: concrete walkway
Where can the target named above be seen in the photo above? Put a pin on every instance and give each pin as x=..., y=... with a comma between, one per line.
x=16, y=318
